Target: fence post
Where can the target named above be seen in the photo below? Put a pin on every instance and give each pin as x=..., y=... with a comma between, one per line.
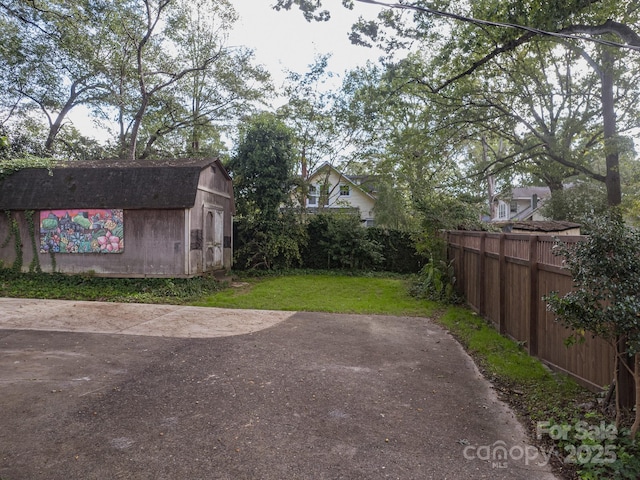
x=462, y=243
x=481, y=274
x=533, y=297
x=502, y=315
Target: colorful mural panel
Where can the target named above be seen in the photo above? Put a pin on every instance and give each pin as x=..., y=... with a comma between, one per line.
x=81, y=231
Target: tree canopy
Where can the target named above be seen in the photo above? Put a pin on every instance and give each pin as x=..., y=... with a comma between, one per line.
x=490, y=62
x=157, y=68
x=262, y=168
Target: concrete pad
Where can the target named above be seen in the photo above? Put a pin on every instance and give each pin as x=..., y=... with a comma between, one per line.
x=99, y=390
x=133, y=319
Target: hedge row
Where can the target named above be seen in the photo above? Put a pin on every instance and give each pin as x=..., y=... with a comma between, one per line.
x=323, y=241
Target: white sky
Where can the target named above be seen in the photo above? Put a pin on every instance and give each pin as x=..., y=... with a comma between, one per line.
x=285, y=40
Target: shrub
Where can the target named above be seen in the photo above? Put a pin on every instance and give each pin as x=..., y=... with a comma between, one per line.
x=268, y=245
x=398, y=248
x=338, y=241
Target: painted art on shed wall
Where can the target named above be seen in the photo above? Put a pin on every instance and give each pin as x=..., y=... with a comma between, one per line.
x=82, y=231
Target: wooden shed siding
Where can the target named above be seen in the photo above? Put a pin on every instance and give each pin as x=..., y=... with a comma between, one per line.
x=214, y=190
x=153, y=246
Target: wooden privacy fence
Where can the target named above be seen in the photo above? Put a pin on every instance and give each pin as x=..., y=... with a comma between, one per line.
x=504, y=277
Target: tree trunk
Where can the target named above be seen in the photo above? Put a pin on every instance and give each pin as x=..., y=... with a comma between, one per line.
x=55, y=127
x=636, y=378
x=135, y=129
x=624, y=377
x=611, y=147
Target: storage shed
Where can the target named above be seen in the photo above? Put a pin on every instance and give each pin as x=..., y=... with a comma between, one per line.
x=169, y=218
x=543, y=227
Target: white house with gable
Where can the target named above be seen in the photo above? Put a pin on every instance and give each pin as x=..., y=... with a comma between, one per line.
x=524, y=204
x=331, y=190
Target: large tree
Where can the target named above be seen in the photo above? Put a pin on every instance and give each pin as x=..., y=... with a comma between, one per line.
x=262, y=167
x=52, y=58
x=470, y=36
x=399, y=140
x=157, y=67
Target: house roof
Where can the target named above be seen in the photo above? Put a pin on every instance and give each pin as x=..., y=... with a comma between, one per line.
x=528, y=192
x=365, y=182
x=108, y=184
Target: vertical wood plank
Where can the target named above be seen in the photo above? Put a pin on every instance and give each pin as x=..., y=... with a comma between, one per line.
x=534, y=300
x=502, y=268
x=481, y=280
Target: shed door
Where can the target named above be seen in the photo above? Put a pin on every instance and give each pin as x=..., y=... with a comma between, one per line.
x=213, y=239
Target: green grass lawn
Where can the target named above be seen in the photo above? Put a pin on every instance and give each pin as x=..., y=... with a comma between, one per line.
x=323, y=293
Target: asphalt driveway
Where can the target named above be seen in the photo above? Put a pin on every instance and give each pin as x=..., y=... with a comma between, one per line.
x=112, y=391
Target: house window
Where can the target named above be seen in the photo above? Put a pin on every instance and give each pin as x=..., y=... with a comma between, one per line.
x=313, y=195
x=344, y=190
x=514, y=207
x=324, y=194
x=502, y=210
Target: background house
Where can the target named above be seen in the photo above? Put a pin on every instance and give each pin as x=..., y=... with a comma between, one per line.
x=523, y=204
x=331, y=190
x=125, y=219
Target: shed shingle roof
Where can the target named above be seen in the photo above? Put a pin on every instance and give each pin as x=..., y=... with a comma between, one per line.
x=110, y=184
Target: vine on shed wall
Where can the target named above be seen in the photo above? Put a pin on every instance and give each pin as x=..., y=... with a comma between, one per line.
x=14, y=232
x=34, y=266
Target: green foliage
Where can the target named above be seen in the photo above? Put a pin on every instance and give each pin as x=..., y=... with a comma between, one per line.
x=14, y=232
x=325, y=241
x=262, y=167
x=625, y=467
x=606, y=276
x=541, y=395
x=605, y=300
x=398, y=248
x=89, y=287
x=339, y=241
x=584, y=199
x=268, y=244
x=498, y=355
x=436, y=282
x=161, y=69
x=34, y=266
x=310, y=114
x=10, y=166
x=334, y=292
x=442, y=211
